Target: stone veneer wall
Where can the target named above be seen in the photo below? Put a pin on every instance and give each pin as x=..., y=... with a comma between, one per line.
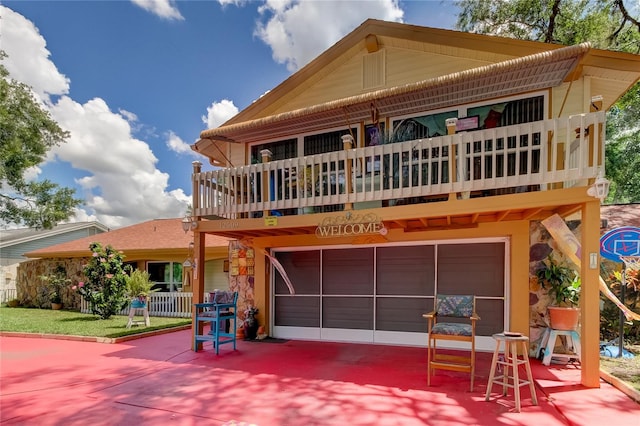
x=241, y=281
x=542, y=244
x=30, y=288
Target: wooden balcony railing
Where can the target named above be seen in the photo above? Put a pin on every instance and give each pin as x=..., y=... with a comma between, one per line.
x=545, y=154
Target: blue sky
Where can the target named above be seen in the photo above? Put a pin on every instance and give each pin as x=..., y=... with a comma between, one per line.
x=135, y=82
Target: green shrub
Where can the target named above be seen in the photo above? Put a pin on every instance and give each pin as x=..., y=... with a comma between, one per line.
x=139, y=284
x=610, y=313
x=561, y=282
x=105, y=288
x=55, y=283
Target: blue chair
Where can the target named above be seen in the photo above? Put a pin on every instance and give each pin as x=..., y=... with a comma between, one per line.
x=218, y=313
x=453, y=307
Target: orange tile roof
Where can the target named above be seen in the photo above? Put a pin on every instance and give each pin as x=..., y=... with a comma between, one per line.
x=156, y=235
x=619, y=215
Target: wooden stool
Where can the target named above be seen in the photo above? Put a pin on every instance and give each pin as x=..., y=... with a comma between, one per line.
x=548, y=342
x=511, y=361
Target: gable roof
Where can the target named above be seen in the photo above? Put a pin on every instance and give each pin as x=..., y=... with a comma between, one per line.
x=515, y=66
x=11, y=237
x=155, y=237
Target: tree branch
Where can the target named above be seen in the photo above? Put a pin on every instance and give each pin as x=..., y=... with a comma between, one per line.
x=625, y=13
x=555, y=11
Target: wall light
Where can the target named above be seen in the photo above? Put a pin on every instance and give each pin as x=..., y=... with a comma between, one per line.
x=189, y=262
x=600, y=188
x=189, y=223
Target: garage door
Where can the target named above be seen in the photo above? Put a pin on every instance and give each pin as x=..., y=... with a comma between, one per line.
x=378, y=294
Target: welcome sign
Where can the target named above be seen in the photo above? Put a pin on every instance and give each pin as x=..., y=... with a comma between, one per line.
x=350, y=225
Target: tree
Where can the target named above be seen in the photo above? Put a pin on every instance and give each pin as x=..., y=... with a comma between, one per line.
x=607, y=24
x=623, y=148
x=105, y=287
x=27, y=133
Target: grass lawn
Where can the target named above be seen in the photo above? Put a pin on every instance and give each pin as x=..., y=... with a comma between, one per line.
x=27, y=320
x=627, y=369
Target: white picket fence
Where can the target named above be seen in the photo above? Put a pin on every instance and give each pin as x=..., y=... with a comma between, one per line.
x=8, y=294
x=161, y=304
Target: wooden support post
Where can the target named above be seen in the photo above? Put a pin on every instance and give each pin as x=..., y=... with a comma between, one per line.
x=590, y=295
x=198, y=283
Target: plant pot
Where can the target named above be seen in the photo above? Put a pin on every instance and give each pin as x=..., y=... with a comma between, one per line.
x=138, y=303
x=240, y=333
x=251, y=331
x=56, y=306
x=562, y=318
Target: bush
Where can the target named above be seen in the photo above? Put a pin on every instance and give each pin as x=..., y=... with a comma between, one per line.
x=106, y=281
x=610, y=313
x=55, y=283
x=139, y=284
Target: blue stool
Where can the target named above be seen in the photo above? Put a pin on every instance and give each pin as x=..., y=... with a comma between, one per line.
x=549, y=342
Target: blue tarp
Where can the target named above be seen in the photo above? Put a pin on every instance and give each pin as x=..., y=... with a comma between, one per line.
x=607, y=349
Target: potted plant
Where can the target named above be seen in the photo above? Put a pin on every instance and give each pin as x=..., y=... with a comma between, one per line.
x=139, y=285
x=563, y=285
x=250, y=323
x=54, y=284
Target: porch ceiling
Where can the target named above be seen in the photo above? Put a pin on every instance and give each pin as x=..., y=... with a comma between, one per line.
x=457, y=214
x=528, y=73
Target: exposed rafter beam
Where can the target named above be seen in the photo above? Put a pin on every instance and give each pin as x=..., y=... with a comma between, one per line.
x=528, y=214
x=565, y=211
x=501, y=215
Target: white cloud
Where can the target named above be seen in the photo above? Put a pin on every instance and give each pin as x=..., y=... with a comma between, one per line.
x=32, y=173
x=28, y=59
x=122, y=185
x=176, y=144
x=82, y=216
x=128, y=115
x=165, y=9
x=219, y=112
x=297, y=31
x=224, y=3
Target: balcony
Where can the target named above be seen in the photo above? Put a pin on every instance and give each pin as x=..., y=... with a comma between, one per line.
x=536, y=156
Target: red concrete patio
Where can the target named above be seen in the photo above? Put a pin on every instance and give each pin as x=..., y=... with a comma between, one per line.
x=159, y=380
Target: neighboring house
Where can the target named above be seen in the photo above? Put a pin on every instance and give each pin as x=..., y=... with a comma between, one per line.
x=407, y=161
x=159, y=246
x=15, y=242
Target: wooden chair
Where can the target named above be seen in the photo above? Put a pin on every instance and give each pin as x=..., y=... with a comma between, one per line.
x=218, y=312
x=453, y=307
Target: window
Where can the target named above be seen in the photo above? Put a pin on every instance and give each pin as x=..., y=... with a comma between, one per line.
x=425, y=126
x=509, y=113
x=280, y=150
x=167, y=276
x=326, y=142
